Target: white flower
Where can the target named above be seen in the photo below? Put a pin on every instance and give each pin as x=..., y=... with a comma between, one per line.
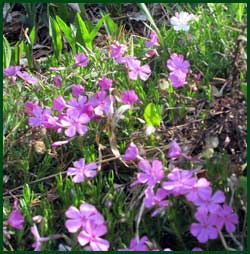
x=181, y=21
x=149, y=130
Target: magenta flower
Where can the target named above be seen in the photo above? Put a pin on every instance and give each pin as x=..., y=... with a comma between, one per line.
x=80, y=106
x=117, y=50
x=131, y=153
x=81, y=60
x=153, y=40
x=152, y=172
x=59, y=103
x=206, y=228
x=178, y=78
x=37, y=245
x=105, y=83
x=80, y=171
x=77, y=218
x=57, y=80
x=155, y=199
x=16, y=219
x=201, y=189
x=75, y=123
x=209, y=202
x=26, y=77
x=137, y=244
x=129, y=97
x=177, y=62
x=91, y=235
x=11, y=70
x=29, y=107
x=180, y=182
x=77, y=90
x=136, y=70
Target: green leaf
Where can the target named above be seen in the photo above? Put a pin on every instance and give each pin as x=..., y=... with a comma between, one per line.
x=67, y=33
x=244, y=88
x=32, y=36
x=56, y=38
x=243, y=183
x=152, y=114
x=6, y=52
x=97, y=27
x=82, y=34
x=111, y=27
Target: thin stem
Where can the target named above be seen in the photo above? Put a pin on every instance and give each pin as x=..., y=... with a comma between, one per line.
x=224, y=242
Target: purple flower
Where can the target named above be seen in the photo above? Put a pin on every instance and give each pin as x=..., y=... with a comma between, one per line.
x=79, y=106
x=129, y=97
x=156, y=199
x=136, y=70
x=77, y=218
x=77, y=90
x=37, y=245
x=29, y=107
x=180, y=182
x=11, y=70
x=39, y=116
x=81, y=60
x=152, y=172
x=91, y=235
x=197, y=249
x=177, y=62
x=137, y=244
x=105, y=83
x=57, y=80
x=225, y=216
x=59, y=103
x=75, y=122
x=205, y=229
x=201, y=189
x=175, y=150
x=16, y=219
x=177, y=78
x=131, y=153
x=80, y=171
x=209, y=202
x=117, y=50
x=27, y=78
x=153, y=40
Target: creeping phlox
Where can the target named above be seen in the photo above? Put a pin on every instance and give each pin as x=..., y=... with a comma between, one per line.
x=212, y=213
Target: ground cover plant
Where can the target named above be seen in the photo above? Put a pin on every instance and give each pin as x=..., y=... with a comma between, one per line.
x=131, y=134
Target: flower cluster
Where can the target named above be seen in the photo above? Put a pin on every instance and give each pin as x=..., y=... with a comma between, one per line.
x=90, y=226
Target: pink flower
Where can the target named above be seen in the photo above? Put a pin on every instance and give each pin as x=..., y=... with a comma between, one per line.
x=11, y=70
x=131, y=153
x=29, y=107
x=81, y=60
x=153, y=40
x=175, y=150
x=137, y=244
x=16, y=219
x=81, y=171
x=209, y=201
x=37, y=245
x=75, y=123
x=136, y=70
x=178, y=78
x=57, y=80
x=91, y=235
x=129, y=97
x=205, y=229
x=180, y=182
x=77, y=90
x=77, y=218
x=117, y=50
x=59, y=103
x=105, y=83
x=152, y=172
x=39, y=116
x=26, y=77
x=177, y=62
